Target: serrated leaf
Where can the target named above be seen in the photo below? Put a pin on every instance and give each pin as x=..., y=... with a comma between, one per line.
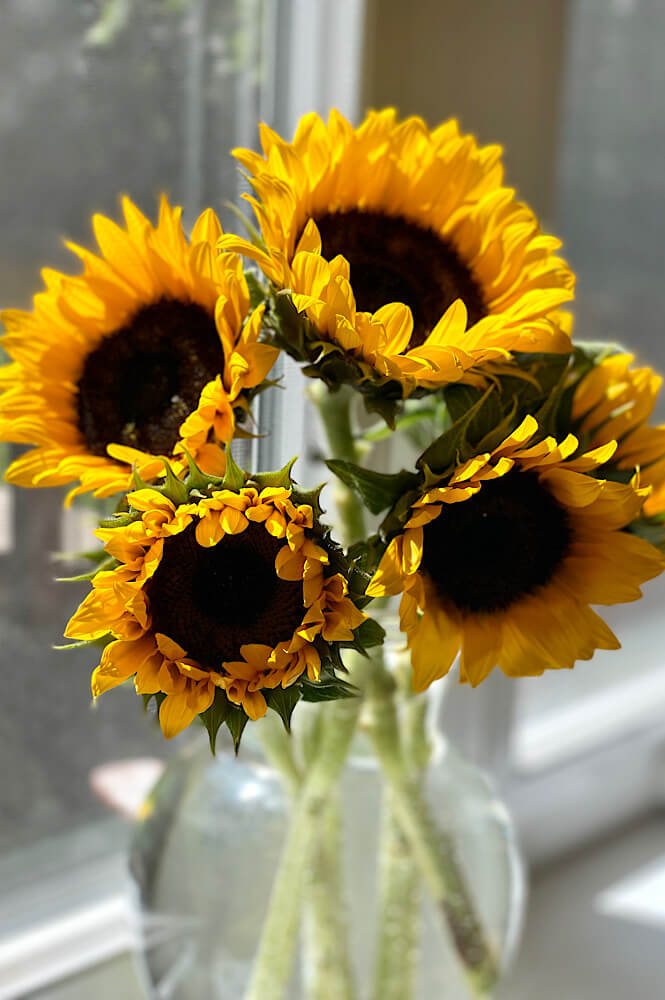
x=449, y=446
x=236, y=720
x=234, y=477
x=283, y=701
x=216, y=716
x=377, y=490
x=369, y=634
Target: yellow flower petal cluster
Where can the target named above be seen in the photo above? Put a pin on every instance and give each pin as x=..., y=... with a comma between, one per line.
x=614, y=402
x=502, y=561
x=149, y=290
x=122, y=602
x=436, y=186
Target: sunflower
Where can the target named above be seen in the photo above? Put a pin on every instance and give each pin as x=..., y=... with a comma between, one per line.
x=614, y=402
x=503, y=558
x=403, y=249
x=141, y=355
x=230, y=593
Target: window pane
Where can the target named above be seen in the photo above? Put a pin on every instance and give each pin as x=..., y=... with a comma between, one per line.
x=95, y=99
x=610, y=198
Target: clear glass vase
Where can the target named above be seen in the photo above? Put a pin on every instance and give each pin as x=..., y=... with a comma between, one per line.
x=208, y=847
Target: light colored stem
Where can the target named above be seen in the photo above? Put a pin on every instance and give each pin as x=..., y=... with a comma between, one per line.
x=433, y=851
x=399, y=917
x=278, y=748
x=335, y=412
x=329, y=975
x=279, y=937
x=399, y=912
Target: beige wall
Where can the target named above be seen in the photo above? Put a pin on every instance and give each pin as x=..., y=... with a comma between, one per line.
x=494, y=64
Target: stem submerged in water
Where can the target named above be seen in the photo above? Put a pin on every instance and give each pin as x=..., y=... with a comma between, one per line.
x=433, y=851
x=272, y=967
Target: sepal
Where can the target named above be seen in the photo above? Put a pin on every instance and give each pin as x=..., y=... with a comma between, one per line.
x=283, y=701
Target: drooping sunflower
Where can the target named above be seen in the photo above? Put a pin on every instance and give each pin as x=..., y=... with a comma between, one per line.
x=232, y=593
x=150, y=349
x=403, y=249
x=503, y=559
x=614, y=402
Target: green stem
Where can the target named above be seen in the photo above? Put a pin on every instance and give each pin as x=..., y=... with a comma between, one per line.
x=432, y=850
x=335, y=412
x=399, y=878
x=278, y=748
x=329, y=975
x=399, y=912
x=279, y=937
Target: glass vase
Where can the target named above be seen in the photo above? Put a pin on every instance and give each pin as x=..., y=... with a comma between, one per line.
x=209, y=845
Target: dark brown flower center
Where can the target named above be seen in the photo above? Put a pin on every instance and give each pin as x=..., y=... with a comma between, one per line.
x=485, y=553
x=143, y=380
x=212, y=601
x=393, y=260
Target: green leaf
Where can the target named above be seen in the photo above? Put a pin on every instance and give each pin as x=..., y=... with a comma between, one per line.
x=413, y=416
x=377, y=490
x=499, y=433
x=385, y=406
x=252, y=231
x=102, y=641
x=216, y=716
x=451, y=446
x=283, y=701
x=234, y=477
x=257, y=293
x=236, y=720
x=369, y=634
x=106, y=564
x=326, y=690
x=281, y=477
x=120, y=520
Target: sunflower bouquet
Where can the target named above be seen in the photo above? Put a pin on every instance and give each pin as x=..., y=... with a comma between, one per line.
x=394, y=266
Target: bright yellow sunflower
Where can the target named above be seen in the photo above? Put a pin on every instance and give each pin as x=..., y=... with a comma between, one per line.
x=503, y=559
x=231, y=592
x=614, y=402
x=145, y=352
x=403, y=249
